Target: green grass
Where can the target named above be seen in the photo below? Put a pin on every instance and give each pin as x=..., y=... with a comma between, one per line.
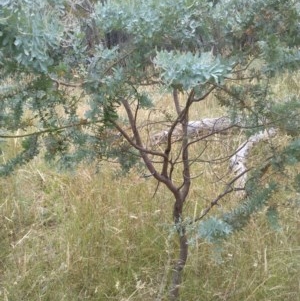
x=96, y=236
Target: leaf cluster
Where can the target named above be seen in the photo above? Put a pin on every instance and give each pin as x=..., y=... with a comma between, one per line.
x=185, y=71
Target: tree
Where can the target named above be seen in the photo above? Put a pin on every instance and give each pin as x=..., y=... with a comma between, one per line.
x=57, y=54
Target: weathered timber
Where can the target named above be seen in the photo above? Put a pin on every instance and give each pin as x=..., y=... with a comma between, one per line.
x=238, y=162
x=197, y=128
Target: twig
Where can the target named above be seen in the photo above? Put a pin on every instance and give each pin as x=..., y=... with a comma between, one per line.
x=228, y=190
x=51, y=130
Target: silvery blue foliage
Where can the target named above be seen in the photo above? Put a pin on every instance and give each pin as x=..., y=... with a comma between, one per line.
x=186, y=70
x=214, y=229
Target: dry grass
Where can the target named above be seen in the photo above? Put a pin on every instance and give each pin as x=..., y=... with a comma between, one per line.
x=95, y=236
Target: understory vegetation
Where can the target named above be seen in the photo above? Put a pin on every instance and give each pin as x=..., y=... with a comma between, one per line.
x=90, y=235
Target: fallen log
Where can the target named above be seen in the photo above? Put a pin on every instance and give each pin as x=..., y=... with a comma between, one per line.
x=197, y=128
x=238, y=162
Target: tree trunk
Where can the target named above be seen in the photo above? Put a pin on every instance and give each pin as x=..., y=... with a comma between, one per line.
x=179, y=266
x=183, y=248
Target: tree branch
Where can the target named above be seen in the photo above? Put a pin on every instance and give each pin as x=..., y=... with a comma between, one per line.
x=176, y=101
x=133, y=144
x=143, y=151
x=185, y=149
x=229, y=189
x=84, y=122
x=62, y=83
x=205, y=95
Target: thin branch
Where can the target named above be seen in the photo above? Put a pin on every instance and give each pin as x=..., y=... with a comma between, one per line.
x=51, y=130
x=120, y=59
x=80, y=84
x=62, y=83
x=246, y=67
x=135, y=145
x=228, y=190
x=205, y=95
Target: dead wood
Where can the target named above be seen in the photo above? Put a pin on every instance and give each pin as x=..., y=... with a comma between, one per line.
x=196, y=128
